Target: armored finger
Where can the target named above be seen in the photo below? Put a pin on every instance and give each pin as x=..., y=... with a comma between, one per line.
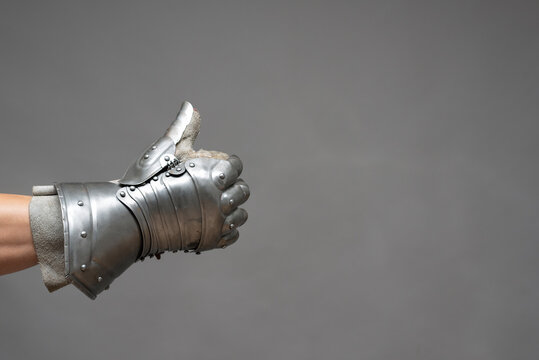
x=236, y=163
x=229, y=239
x=224, y=174
x=235, y=220
x=233, y=197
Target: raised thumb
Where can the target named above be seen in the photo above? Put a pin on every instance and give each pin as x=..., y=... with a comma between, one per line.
x=184, y=130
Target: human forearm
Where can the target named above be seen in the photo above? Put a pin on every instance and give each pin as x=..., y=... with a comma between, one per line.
x=16, y=246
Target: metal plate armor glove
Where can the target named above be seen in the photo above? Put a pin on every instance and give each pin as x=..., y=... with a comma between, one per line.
x=171, y=198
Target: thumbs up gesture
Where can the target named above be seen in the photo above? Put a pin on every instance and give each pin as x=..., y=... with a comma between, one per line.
x=172, y=198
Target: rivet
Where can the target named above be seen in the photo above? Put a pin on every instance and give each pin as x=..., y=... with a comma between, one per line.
x=178, y=169
x=83, y=267
x=155, y=178
x=221, y=176
x=198, y=252
x=154, y=147
x=80, y=203
x=146, y=156
x=83, y=234
x=167, y=158
x=231, y=226
x=191, y=164
x=231, y=201
x=167, y=174
x=132, y=188
x=122, y=193
x=99, y=279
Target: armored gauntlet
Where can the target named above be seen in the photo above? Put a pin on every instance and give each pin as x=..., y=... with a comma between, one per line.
x=171, y=199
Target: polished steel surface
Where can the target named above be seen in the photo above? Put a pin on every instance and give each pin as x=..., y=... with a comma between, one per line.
x=102, y=238
x=150, y=162
x=161, y=204
x=179, y=211
x=108, y=226
x=178, y=127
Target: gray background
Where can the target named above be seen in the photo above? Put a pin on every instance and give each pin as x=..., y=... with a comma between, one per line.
x=391, y=148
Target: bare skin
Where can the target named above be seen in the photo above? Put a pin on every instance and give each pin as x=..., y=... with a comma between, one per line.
x=16, y=245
